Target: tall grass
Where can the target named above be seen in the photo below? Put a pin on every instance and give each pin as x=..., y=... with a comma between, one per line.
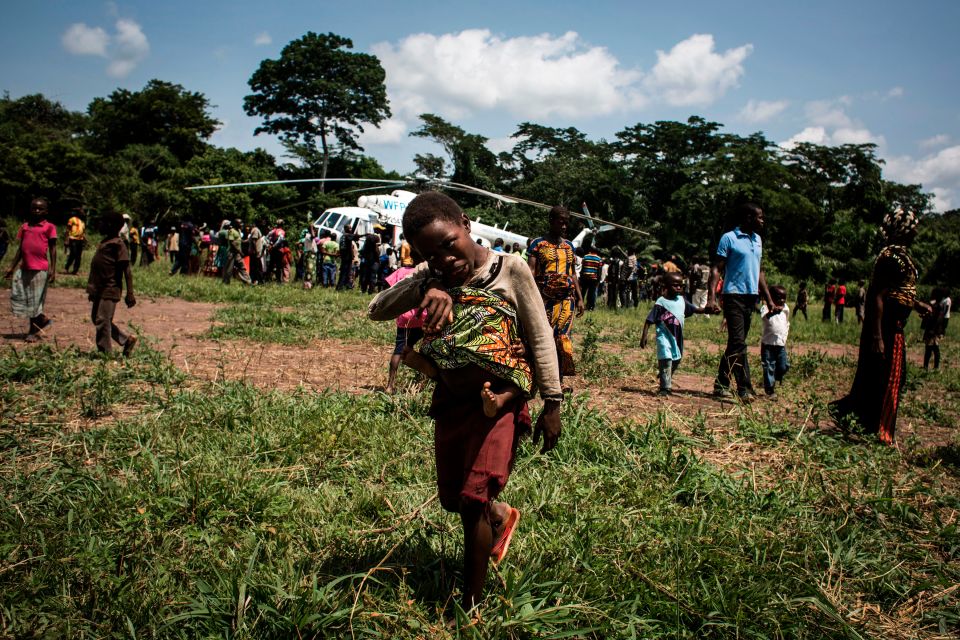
x=220, y=510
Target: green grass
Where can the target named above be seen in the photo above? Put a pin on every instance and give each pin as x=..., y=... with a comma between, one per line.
x=137, y=505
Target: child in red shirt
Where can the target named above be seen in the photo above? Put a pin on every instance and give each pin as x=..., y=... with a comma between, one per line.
x=29, y=289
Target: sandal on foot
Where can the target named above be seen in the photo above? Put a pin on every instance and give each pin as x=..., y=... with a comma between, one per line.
x=499, y=551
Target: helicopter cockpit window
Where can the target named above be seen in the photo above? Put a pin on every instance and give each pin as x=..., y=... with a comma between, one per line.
x=332, y=221
x=321, y=221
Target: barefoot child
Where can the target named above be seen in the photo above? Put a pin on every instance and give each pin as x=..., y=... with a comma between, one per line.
x=487, y=298
x=668, y=314
x=110, y=266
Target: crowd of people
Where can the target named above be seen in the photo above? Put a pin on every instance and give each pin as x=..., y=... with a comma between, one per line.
x=492, y=326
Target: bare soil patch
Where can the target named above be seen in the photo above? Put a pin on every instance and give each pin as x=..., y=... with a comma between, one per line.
x=178, y=327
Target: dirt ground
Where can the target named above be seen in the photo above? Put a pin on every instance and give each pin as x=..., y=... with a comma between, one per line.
x=177, y=327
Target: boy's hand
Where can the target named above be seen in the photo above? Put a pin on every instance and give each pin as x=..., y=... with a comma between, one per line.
x=439, y=307
x=8, y=274
x=548, y=425
x=643, y=342
x=130, y=301
x=580, y=308
x=51, y=275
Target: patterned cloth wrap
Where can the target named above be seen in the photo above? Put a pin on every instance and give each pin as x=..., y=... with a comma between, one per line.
x=554, y=278
x=895, y=267
x=28, y=291
x=483, y=333
x=555, y=287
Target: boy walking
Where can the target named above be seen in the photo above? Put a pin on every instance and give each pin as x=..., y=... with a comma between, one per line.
x=110, y=266
x=773, y=341
x=474, y=449
x=668, y=314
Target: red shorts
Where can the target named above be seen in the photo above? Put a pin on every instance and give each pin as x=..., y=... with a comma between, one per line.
x=474, y=453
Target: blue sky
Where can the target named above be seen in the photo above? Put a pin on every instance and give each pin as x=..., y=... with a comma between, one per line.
x=826, y=72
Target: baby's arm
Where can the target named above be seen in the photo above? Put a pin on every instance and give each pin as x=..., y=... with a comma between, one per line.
x=419, y=362
x=400, y=298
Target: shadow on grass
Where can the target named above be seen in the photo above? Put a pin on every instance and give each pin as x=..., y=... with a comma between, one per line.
x=413, y=567
x=947, y=456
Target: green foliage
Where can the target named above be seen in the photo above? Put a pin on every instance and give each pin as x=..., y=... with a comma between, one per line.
x=318, y=90
x=40, y=153
x=473, y=163
x=162, y=113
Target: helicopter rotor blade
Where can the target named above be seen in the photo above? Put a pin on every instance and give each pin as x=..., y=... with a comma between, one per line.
x=297, y=181
x=586, y=212
x=343, y=193
x=533, y=203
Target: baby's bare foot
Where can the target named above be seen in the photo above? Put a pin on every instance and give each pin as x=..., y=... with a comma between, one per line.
x=491, y=401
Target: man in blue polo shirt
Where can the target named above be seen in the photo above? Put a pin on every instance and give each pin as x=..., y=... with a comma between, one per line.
x=738, y=258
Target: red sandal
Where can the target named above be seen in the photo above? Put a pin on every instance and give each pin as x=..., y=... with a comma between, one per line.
x=499, y=551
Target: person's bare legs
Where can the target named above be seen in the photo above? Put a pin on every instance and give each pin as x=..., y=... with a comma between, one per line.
x=481, y=529
x=493, y=401
x=392, y=376
x=419, y=362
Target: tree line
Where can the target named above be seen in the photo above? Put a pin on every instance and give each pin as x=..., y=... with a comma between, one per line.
x=136, y=151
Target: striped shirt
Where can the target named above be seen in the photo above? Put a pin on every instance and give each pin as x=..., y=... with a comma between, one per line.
x=590, y=267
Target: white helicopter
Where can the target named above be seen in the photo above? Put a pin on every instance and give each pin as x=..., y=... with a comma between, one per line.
x=386, y=211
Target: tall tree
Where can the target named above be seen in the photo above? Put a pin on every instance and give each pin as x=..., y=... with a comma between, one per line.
x=318, y=90
x=473, y=163
x=161, y=113
x=41, y=153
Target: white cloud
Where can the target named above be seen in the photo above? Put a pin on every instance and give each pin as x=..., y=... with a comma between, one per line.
x=130, y=47
x=81, y=40
x=503, y=145
x=531, y=76
x=895, y=92
x=692, y=73
x=815, y=135
x=829, y=113
x=935, y=141
x=391, y=131
x=458, y=75
x=124, y=50
x=943, y=199
x=757, y=111
x=263, y=38
x=939, y=173
x=829, y=124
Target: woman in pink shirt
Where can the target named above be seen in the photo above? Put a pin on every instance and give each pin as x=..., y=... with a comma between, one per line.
x=29, y=289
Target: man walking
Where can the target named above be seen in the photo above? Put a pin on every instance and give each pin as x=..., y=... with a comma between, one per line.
x=738, y=258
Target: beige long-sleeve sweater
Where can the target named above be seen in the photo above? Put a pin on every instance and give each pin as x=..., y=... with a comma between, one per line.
x=508, y=276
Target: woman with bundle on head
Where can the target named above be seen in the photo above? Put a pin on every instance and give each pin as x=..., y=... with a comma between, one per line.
x=882, y=361
x=552, y=260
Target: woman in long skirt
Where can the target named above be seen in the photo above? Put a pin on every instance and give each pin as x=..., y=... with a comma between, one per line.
x=874, y=398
